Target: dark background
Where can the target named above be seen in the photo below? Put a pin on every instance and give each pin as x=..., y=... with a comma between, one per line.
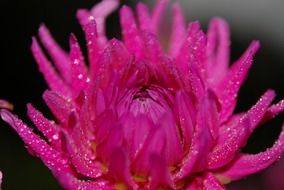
x=22, y=83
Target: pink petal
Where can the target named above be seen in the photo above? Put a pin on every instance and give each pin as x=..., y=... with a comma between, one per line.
x=201, y=144
x=93, y=47
x=98, y=13
x=79, y=77
x=178, y=30
x=119, y=168
x=59, y=105
x=274, y=110
x=218, y=49
x=130, y=33
x=59, y=56
x=48, y=128
x=233, y=81
x=160, y=175
x=234, y=136
x=247, y=164
x=158, y=13
x=186, y=116
x=144, y=17
x=52, y=158
x=53, y=79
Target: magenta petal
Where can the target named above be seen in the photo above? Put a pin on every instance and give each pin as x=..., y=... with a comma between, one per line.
x=130, y=33
x=186, y=114
x=59, y=56
x=48, y=128
x=79, y=77
x=119, y=167
x=201, y=144
x=218, y=47
x=82, y=162
x=178, y=30
x=59, y=105
x=54, y=81
x=158, y=13
x=144, y=17
x=247, y=164
x=93, y=46
x=274, y=110
x=228, y=88
x=211, y=183
x=52, y=158
x=160, y=175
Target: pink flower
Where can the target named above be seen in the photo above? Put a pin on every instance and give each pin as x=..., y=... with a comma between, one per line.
x=138, y=117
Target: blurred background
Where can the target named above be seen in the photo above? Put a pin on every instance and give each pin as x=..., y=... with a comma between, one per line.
x=22, y=83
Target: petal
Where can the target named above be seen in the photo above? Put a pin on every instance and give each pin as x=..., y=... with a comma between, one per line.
x=1, y=177
x=53, y=80
x=228, y=88
x=218, y=49
x=130, y=33
x=211, y=183
x=59, y=105
x=273, y=111
x=53, y=159
x=186, y=117
x=59, y=56
x=158, y=12
x=160, y=175
x=234, y=136
x=246, y=164
x=48, y=128
x=119, y=167
x=192, y=51
x=178, y=30
x=98, y=13
x=144, y=17
x=201, y=144
x=79, y=77
x=94, y=49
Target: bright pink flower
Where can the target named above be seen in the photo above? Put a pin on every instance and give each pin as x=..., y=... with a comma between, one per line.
x=141, y=118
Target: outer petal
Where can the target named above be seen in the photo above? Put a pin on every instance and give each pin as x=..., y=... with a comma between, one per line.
x=218, y=49
x=78, y=72
x=232, y=138
x=53, y=80
x=246, y=164
x=178, y=30
x=233, y=81
x=59, y=105
x=48, y=128
x=59, y=56
x=130, y=33
x=52, y=158
x=1, y=176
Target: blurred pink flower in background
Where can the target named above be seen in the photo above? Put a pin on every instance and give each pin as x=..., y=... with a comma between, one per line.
x=139, y=117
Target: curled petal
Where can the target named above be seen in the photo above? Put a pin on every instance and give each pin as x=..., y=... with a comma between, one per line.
x=246, y=164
